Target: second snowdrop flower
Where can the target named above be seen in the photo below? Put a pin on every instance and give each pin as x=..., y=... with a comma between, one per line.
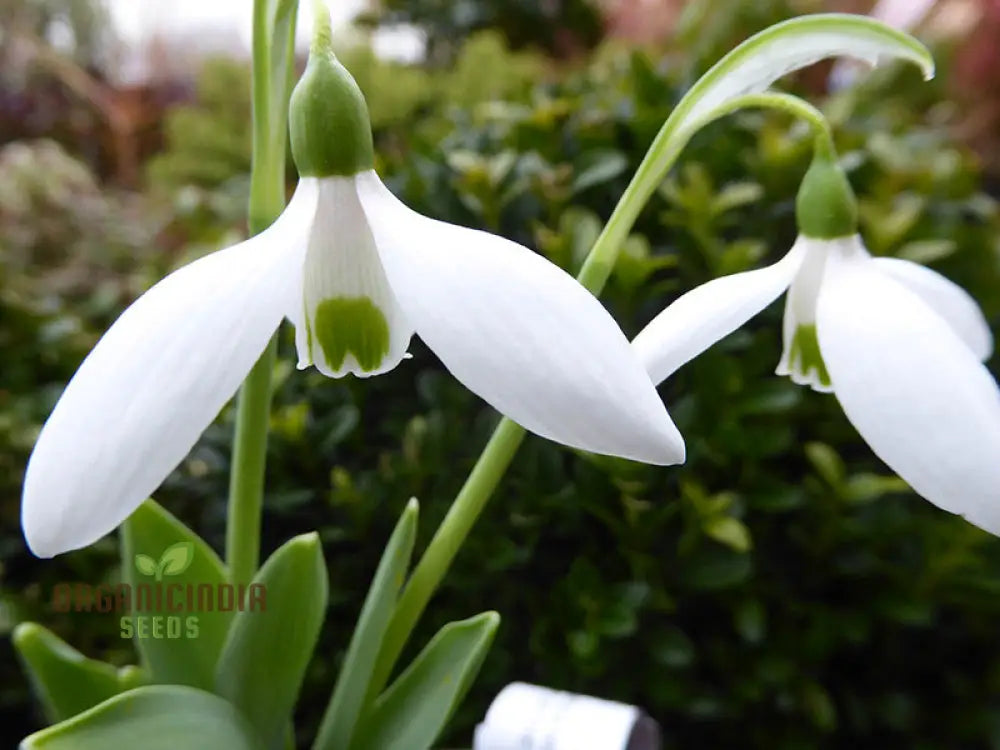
x=899, y=345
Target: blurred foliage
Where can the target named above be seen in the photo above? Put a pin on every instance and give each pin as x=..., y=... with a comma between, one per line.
x=208, y=142
x=81, y=29
x=558, y=27
x=780, y=590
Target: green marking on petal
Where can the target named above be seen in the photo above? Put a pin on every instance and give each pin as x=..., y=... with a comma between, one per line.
x=805, y=356
x=351, y=325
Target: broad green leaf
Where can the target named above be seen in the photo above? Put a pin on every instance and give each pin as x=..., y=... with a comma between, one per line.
x=65, y=681
x=176, y=559
x=411, y=713
x=151, y=532
x=348, y=697
x=269, y=647
x=158, y=717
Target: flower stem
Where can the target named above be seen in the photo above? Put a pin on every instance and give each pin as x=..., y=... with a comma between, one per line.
x=658, y=161
x=507, y=437
x=272, y=76
x=246, y=480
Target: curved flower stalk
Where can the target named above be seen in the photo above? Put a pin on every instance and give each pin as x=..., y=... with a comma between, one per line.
x=899, y=345
x=358, y=273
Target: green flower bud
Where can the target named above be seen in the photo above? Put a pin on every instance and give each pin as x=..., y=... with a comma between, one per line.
x=328, y=119
x=825, y=207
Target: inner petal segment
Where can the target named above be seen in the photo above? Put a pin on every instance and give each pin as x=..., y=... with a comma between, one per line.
x=801, y=359
x=350, y=321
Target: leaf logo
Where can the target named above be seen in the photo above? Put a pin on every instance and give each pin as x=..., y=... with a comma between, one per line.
x=175, y=560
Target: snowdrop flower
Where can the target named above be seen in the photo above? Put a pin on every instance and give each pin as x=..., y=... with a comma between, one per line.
x=358, y=273
x=900, y=346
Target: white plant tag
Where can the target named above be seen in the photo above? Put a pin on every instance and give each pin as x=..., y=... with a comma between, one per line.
x=529, y=717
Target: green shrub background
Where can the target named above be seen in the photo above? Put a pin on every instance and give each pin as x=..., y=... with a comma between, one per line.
x=780, y=590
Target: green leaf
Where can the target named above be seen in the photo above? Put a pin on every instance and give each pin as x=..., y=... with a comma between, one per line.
x=65, y=681
x=927, y=251
x=268, y=648
x=176, y=559
x=411, y=713
x=827, y=463
x=185, y=660
x=736, y=195
x=598, y=167
x=131, y=677
x=730, y=532
x=160, y=717
x=347, y=701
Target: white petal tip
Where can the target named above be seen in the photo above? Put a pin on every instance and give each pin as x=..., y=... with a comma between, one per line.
x=42, y=550
x=667, y=448
x=47, y=541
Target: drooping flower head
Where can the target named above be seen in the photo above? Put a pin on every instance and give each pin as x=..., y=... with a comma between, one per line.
x=358, y=273
x=900, y=346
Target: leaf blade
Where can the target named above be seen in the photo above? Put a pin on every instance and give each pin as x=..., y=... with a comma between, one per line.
x=65, y=681
x=411, y=713
x=262, y=681
x=182, y=661
x=160, y=717
x=347, y=700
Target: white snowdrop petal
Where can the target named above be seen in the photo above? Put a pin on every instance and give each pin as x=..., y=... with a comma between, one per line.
x=520, y=333
x=154, y=382
x=947, y=299
x=708, y=313
x=914, y=390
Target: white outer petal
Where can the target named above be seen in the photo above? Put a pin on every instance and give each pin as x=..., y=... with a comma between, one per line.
x=520, y=333
x=154, y=382
x=708, y=313
x=947, y=299
x=912, y=388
